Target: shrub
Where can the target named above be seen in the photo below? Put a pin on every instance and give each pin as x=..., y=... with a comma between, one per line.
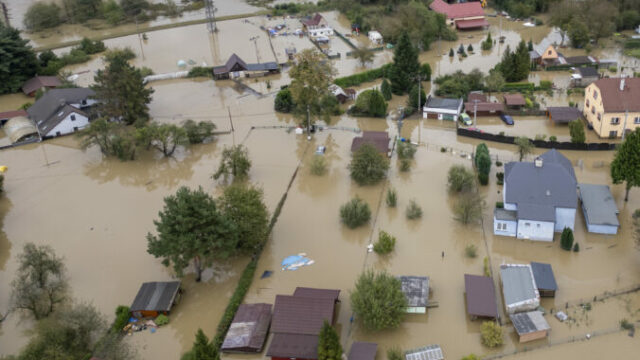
x=284, y=101
x=566, y=239
x=471, y=251
x=378, y=300
x=425, y=72
x=392, y=197
x=201, y=71
x=626, y=325
x=553, y=138
x=197, y=133
x=368, y=166
x=42, y=16
x=460, y=179
x=491, y=334
x=394, y=353
x=443, y=149
x=406, y=150
x=468, y=208
x=470, y=48
x=483, y=179
x=405, y=165
x=385, y=244
x=486, y=267
x=355, y=213
x=318, y=165
x=91, y=47
x=370, y=103
x=576, y=247
x=471, y=357
x=576, y=129
x=545, y=85
x=414, y=211
x=500, y=176
x=161, y=320
x=499, y=205
x=121, y=320
x=359, y=78
x=498, y=163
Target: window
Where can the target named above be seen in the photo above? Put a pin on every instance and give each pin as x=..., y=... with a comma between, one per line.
x=636, y=120
x=587, y=102
x=615, y=120
x=613, y=134
x=538, y=225
x=527, y=224
x=75, y=128
x=595, y=94
x=84, y=102
x=593, y=109
x=599, y=116
x=73, y=117
x=549, y=52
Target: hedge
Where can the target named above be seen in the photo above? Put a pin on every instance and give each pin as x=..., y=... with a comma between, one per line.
x=200, y=71
x=366, y=76
x=519, y=87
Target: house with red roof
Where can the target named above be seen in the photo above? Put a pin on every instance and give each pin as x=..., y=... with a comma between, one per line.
x=316, y=26
x=463, y=16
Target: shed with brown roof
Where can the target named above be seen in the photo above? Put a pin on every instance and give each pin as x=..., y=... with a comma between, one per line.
x=514, y=100
x=484, y=108
x=249, y=329
x=379, y=139
x=363, y=351
x=36, y=83
x=563, y=114
x=481, y=296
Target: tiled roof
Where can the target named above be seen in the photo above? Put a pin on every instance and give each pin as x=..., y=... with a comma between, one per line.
x=616, y=100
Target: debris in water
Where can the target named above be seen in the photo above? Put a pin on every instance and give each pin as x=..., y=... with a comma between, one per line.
x=294, y=262
x=370, y=248
x=266, y=274
x=560, y=315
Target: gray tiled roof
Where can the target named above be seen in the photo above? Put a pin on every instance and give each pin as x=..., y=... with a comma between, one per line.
x=155, y=296
x=443, y=103
x=506, y=215
x=588, y=71
x=599, y=205
x=416, y=290
x=527, y=211
x=517, y=283
x=543, y=274
x=45, y=110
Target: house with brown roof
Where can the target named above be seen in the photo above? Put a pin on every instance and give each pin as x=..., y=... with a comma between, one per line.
x=514, y=101
x=464, y=16
x=297, y=321
x=316, y=26
x=552, y=57
x=480, y=294
x=612, y=106
x=480, y=104
x=34, y=84
x=236, y=67
x=563, y=114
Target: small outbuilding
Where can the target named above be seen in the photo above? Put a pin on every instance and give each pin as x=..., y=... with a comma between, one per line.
x=429, y=352
x=34, y=84
x=599, y=209
x=379, y=139
x=481, y=296
x=249, y=329
x=155, y=298
x=519, y=288
x=375, y=37
x=545, y=280
x=535, y=57
x=235, y=66
x=416, y=290
x=514, y=101
x=530, y=326
x=563, y=114
x=363, y=351
x=581, y=60
x=483, y=108
x=19, y=129
x=583, y=76
x=442, y=108
x=8, y=115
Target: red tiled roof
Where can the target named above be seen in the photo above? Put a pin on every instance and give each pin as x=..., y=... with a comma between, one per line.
x=476, y=96
x=470, y=24
x=514, y=100
x=379, y=139
x=315, y=20
x=301, y=315
x=614, y=100
x=11, y=114
x=481, y=297
x=317, y=293
x=483, y=106
x=294, y=346
x=457, y=11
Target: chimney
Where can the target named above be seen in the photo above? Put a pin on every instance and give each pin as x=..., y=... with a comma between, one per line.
x=537, y=162
x=622, y=83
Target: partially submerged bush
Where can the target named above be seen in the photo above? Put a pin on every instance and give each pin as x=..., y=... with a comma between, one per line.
x=405, y=165
x=355, y=213
x=491, y=334
x=385, y=244
x=392, y=197
x=368, y=166
x=486, y=266
x=406, y=150
x=468, y=208
x=566, y=239
x=378, y=301
x=394, y=353
x=460, y=179
x=414, y=211
x=318, y=165
x=122, y=318
x=161, y=320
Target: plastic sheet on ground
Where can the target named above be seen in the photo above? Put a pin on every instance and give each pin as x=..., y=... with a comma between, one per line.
x=294, y=262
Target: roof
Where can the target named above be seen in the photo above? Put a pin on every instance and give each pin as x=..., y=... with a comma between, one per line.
x=337, y=90
x=476, y=96
x=580, y=60
x=518, y=284
x=301, y=315
x=529, y=322
x=588, y=71
x=483, y=106
x=312, y=21
x=155, y=296
x=430, y=352
x=552, y=185
x=527, y=211
x=18, y=128
x=470, y=24
x=514, y=100
x=549, y=53
x=249, y=328
x=44, y=112
x=416, y=290
x=614, y=100
x=598, y=204
x=534, y=54
x=262, y=66
x=317, y=293
x=564, y=114
x=11, y=114
x=235, y=63
x=443, y=103
x=379, y=139
x=294, y=346
x=543, y=275
x=362, y=351
x=38, y=82
x=456, y=11
x=481, y=296
x=506, y=215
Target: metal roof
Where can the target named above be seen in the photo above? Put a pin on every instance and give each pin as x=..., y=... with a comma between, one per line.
x=443, y=103
x=379, y=140
x=588, y=71
x=537, y=212
x=363, y=351
x=39, y=82
x=481, y=296
x=249, y=328
x=18, y=128
x=518, y=284
x=543, y=275
x=529, y=322
x=301, y=315
x=564, y=114
x=317, y=293
x=294, y=346
x=506, y=215
x=598, y=204
x=514, y=99
x=430, y=352
x=155, y=296
x=416, y=290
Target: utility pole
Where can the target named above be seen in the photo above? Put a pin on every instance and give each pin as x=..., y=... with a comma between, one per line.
x=210, y=11
x=4, y=14
x=233, y=131
x=139, y=38
x=624, y=124
x=255, y=44
x=400, y=116
x=475, y=108
x=308, y=123
x=419, y=109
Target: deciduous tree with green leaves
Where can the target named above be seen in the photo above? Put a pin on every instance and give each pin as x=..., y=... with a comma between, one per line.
x=378, y=301
x=235, y=163
x=368, y=166
x=625, y=166
x=244, y=206
x=363, y=55
x=329, y=347
x=311, y=77
x=405, y=66
x=576, y=130
x=494, y=81
x=525, y=147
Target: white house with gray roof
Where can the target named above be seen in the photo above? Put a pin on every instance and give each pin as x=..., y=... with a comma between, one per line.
x=61, y=111
x=539, y=198
x=599, y=208
x=442, y=108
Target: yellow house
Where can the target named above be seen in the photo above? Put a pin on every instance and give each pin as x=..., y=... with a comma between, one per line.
x=612, y=106
x=551, y=57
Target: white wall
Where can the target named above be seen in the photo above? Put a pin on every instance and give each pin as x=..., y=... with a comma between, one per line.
x=67, y=125
x=565, y=218
x=512, y=226
x=602, y=229
x=321, y=32
x=535, y=230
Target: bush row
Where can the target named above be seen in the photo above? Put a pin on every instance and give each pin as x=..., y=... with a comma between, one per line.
x=366, y=76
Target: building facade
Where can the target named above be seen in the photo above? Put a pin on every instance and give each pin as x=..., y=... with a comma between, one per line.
x=607, y=102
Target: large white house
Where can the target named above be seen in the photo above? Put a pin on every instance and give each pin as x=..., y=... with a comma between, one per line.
x=539, y=198
x=317, y=26
x=61, y=111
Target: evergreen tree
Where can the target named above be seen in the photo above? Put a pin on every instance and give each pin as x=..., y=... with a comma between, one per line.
x=412, y=101
x=522, y=61
x=530, y=45
x=451, y=52
x=18, y=62
x=202, y=349
x=576, y=130
x=405, y=65
x=625, y=166
x=329, y=347
x=566, y=239
x=385, y=88
x=244, y=206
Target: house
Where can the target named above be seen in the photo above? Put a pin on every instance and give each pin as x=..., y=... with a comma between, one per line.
x=235, y=67
x=416, y=290
x=297, y=321
x=375, y=37
x=583, y=76
x=519, y=288
x=429, y=352
x=545, y=281
x=514, y=101
x=530, y=326
x=539, y=198
x=249, y=329
x=341, y=95
x=535, y=57
x=599, y=209
x=480, y=294
x=563, y=114
x=442, y=108
x=608, y=102
x=316, y=26
x=61, y=111
x=19, y=129
x=379, y=139
x=155, y=298
x=465, y=16
x=34, y=84
x=362, y=351
x=8, y=115
x=551, y=57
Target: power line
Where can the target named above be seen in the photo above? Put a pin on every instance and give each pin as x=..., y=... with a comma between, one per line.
x=211, y=17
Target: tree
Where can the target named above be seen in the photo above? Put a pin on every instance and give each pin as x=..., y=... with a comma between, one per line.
x=244, y=206
x=192, y=228
x=385, y=89
x=284, y=101
x=385, y=244
x=378, y=300
x=112, y=12
x=329, y=347
x=600, y=17
x=133, y=7
x=412, y=102
x=636, y=225
x=494, y=81
x=625, y=166
x=40, y=284
x=311, y=77
x=525, y=147
x=202, y=348
x=79, y=11
x=468, y=208
x=483, y=162
x=522, y=61
x=363, y=54
x=41, y=16
x=530, y=45
x=578, y=33
x=235, y=163
x=395, y=353
x=111, y=347
x=491, y=334
x=576, y=130
x=566, y=239
x=487, y=44
x=165, y=137
x=405, y=66
x=368, y=166
x=114, y=139
x=198, y=133
x=18, y=61
x=121, y=91
x=371, y=102
x=355, y=213
x=460, y=179
x=425, y=72
x=561, y=13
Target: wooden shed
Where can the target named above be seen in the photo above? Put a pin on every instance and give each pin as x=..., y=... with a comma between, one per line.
x=480, y=294
x=155, y=298
x=545, y=280
x=514, y=101
x=249, y=329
